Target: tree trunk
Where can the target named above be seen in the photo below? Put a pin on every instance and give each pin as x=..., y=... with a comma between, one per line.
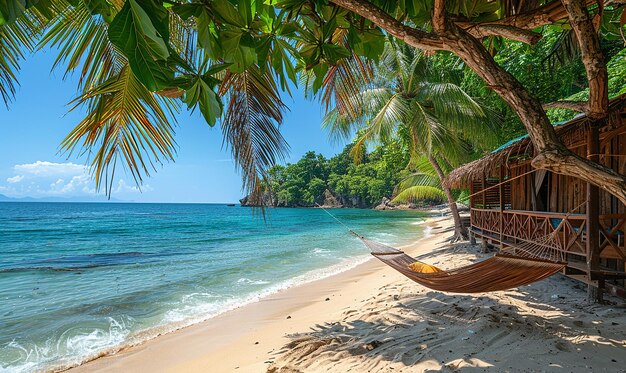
x=551, y=153
x=460, y=232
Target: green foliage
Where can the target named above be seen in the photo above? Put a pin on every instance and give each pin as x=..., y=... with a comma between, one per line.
x=551, y=70
x=415, y=99
x=420, y=193
x=422, y=184
x=143, y=37
x=616, y=68
x=617, y=74
x=359, y=185
x=15, y=40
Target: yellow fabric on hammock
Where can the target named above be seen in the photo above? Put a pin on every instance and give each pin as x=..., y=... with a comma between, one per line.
x=423, y=268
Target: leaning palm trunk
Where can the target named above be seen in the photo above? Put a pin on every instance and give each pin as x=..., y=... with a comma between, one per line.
x=460, y=232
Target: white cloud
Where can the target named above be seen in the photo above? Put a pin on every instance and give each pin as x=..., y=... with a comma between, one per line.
x=15, y=179
x=43, y=178
x=77, y=183
x=122, y=187
x=44, y=168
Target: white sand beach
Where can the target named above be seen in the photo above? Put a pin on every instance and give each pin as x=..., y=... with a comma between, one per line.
x=372, y=319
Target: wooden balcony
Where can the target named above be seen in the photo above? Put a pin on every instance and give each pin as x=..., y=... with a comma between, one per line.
x=511, y=227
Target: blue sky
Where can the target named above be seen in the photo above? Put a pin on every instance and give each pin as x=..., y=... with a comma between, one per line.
x=38, y=119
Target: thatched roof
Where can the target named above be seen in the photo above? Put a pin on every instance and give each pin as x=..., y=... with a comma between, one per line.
x=483, y=167
x=521, y=146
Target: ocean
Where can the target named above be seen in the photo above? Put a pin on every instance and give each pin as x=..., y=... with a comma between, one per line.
x=81, y=279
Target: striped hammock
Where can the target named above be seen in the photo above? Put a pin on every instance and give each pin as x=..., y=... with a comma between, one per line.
x=516, y=266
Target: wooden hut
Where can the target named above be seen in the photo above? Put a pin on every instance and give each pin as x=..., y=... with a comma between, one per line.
x=513, y=203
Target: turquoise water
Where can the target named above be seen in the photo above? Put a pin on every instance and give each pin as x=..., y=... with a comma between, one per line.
x=80, y=279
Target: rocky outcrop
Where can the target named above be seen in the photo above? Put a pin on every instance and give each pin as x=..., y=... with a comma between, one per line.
x=268, y=199
x=329, y=200
x=385, y=204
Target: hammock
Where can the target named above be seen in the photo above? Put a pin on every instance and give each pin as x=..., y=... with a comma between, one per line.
x=514, y=266
x=508, y=269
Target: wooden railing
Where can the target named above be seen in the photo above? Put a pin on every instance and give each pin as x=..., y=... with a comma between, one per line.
x=517, y=226
x=612, y=236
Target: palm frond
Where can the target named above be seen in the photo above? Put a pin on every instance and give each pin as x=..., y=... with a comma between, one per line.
x=452, y=147
x=343, y=83
x=385, y=118
x=425, y=128
x=419, y=178
x=251, y=125
x=339, y=126
x=125, y=123
x=461, y=113
x=82, y=43
x=419, y=193
x=16, y=39
x=421, y=165
x=372, y=101
x=183, y=38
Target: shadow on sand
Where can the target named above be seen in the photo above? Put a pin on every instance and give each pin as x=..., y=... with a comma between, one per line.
x=544, y=326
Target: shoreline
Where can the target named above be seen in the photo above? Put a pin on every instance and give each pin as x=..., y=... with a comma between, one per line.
x=372, y=318
x=96, y=363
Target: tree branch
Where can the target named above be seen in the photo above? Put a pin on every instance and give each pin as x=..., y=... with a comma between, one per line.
x=439, y=16
x=509, y=32
x=592, y=58
x=579, y=106
x=512, y=27
x=541, y=16
x=417, y=38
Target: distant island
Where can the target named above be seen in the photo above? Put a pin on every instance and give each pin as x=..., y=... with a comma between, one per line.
x=366, y=181
x=4, y=198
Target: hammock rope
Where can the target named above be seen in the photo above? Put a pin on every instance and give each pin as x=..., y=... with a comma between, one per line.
x=515, y=266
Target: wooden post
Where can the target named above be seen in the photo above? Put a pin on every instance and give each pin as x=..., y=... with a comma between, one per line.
x=593, y=218
x=472, y=238
x=484, y=245
x=483, y=194
x=501, y=181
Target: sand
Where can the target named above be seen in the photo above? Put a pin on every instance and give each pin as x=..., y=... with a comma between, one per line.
x=372, y=319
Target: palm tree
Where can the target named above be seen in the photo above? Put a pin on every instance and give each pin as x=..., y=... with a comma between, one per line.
x=442, y=122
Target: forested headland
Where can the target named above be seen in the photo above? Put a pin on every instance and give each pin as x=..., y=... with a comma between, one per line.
x=339, y=181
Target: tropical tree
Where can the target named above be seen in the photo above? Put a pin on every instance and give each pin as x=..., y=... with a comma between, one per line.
x=439, y=118
x=139, y=59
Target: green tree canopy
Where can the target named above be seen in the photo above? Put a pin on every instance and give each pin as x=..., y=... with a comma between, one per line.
x=362, y=184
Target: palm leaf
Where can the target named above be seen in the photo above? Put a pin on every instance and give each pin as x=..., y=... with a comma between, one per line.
x=82, y=43
x=251, y=125
x=126, y=123
x=461, y=113
x=343, y=83
x=419, y=178
x=16, y=39
x=419, y=193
